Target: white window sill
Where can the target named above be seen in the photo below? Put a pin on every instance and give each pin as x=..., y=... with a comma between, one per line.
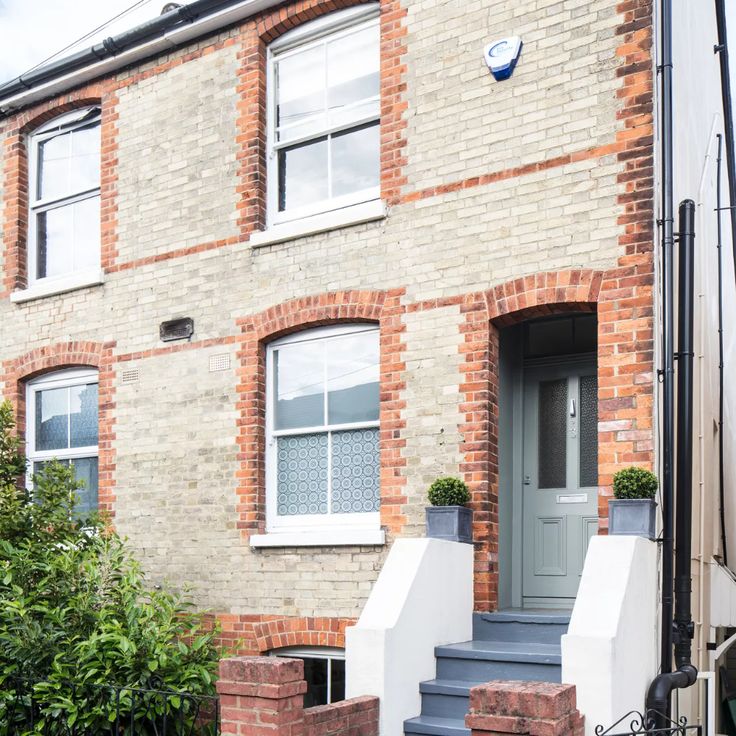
x=322, y=538
x=354, y=215
x=60, y=285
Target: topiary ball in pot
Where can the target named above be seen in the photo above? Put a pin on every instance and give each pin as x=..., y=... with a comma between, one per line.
x=632, y=511
x=448, y=518
x=448, y=492
x=634, y=482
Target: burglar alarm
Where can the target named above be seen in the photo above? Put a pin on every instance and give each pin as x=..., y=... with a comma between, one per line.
x=501, y=56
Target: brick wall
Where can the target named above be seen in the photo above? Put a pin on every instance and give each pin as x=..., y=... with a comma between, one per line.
x=262, y=696
x=520, y=211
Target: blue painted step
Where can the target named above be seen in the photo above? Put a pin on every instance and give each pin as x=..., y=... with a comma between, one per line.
x=510, y=645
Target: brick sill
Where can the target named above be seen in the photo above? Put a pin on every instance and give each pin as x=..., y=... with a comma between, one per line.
x=322, y=538
x=53, y=286
x=356, y=214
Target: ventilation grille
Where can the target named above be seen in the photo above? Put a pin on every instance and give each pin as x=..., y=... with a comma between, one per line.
x=130, y=376
x=219, y=362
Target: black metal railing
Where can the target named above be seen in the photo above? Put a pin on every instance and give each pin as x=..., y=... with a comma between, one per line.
x=43, y=709
x=651, y=724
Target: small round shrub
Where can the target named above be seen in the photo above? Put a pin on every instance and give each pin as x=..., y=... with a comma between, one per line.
x=448, y=492
x=634, y=482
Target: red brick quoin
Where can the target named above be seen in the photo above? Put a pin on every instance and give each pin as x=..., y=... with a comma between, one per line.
x=17, y=371
x=264, y=696
x=383, y=308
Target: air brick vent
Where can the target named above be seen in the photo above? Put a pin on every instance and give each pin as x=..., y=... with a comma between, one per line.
x=130, y=376
x=219, y=362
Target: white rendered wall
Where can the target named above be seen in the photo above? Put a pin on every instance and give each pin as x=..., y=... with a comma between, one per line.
x=423, y=597
x=610, y=650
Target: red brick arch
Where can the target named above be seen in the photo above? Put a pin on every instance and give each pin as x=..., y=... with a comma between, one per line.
x=59, y=356
x=386, y=310
x=301, y=631
x=540, y=294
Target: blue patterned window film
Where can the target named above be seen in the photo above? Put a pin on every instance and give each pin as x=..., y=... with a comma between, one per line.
x=302, y=474
x=85, y=470
x=83, y=415
x=355, y=471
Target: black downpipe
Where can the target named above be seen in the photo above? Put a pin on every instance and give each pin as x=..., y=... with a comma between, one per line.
x=660, y=690
x=722, y=50
x=115, y=45
x=719, y=251
x=668, y=351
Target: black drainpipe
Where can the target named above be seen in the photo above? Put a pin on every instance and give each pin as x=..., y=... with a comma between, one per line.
x=668, y=366
x=681, y=627
x=722, y=50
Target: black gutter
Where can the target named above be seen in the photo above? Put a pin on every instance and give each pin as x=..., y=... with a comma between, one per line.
x=148, y=31
x=668, y=365
x=660, y=690
x=719, y=252
x=722, y=50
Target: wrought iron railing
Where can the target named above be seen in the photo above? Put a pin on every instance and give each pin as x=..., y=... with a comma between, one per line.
x=651, y=724
x=73, y=709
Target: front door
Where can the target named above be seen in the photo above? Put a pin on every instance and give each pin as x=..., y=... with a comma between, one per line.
x=560, y=477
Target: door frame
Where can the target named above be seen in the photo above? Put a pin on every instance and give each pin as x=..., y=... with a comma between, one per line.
x=582, y=360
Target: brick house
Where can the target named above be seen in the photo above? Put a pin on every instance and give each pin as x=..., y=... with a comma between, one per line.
x=384, y=267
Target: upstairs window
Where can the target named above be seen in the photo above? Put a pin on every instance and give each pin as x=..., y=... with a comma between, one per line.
x=64, y=197
x=62, y=424
x=324, y=115
x=322, y=423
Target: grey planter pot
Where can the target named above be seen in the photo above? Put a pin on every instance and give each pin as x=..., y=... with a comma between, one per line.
x=454, y=523
x=633, y=516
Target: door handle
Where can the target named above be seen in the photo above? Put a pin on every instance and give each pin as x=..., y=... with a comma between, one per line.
x=572, y=407
x=527, y=480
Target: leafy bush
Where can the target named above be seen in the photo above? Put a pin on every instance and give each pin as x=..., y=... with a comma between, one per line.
x=448, y=492
x=75, y=610
x=634, y=482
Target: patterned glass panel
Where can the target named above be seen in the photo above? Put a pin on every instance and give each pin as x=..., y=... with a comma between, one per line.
x=355, y=471
x=553, y=433
x=86, y=471
x=588, y=431
x=52, y=407
x=352, y=378
x=83, y=416
x=302, y=475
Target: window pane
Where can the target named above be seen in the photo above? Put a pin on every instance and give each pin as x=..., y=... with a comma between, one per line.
x=300, y=82
x=355, y=160
x=315, y=673
x=52, y=408
x=85, y=164
x=299, y=385
x=68, y=238
x=352, y=376
x=352, y=72
x=338, y=680
x=54, y=157
x=553, y=434
x=588, y=431
x=301, y=475
x=355, y=471
x=303, y=174
x=83, y=419
x=86, y=470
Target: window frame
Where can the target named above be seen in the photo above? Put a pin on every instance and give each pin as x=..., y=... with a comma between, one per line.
x=66, y=123
x=334, y=25
x=328, y=653
x=310, y=522
x=64, y=378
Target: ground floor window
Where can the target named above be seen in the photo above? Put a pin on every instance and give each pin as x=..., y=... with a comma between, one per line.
x=324, y=671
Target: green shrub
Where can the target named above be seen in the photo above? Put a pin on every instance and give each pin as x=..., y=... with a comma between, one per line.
x=448, y=492
x=76, y=611
x=634, y=482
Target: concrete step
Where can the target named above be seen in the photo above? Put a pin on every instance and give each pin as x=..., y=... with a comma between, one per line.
x=521, y=625
x=434, y=726
x=446, y=698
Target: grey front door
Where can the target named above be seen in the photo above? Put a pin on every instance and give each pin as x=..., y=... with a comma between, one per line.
x=560, y=477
